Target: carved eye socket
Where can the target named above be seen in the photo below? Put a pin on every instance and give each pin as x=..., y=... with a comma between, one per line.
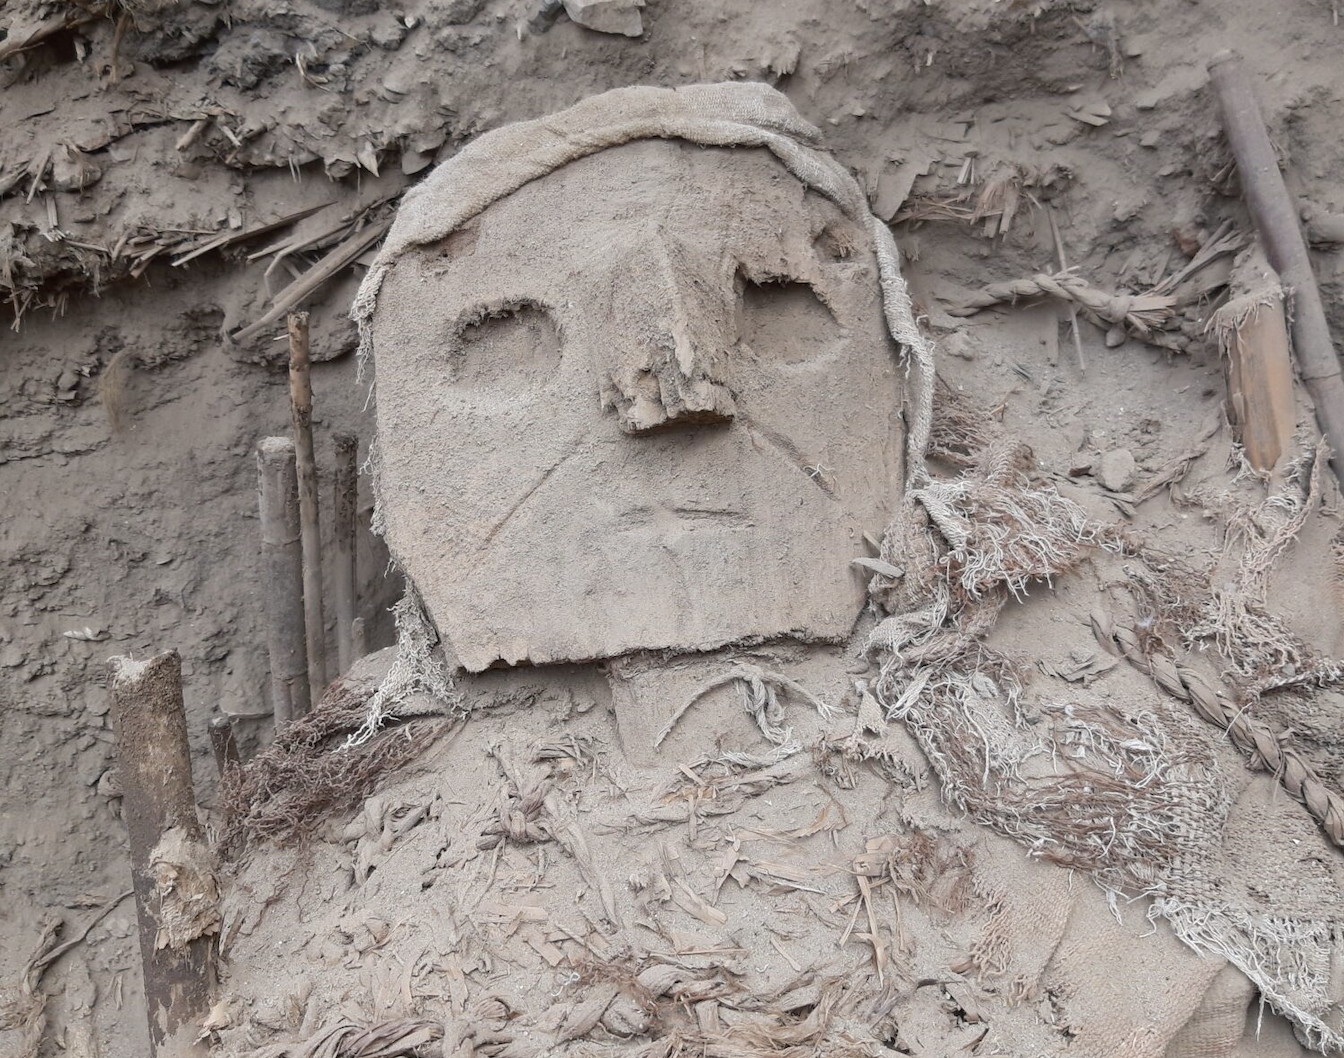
x=511, y=345
x=784, y=321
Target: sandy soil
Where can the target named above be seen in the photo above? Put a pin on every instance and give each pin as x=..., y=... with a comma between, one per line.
x=133, y=393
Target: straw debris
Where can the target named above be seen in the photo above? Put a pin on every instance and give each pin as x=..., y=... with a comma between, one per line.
x=310, y=771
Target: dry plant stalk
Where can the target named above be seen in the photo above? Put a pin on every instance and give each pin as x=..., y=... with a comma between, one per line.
x=951, y=206
x=301, y=412
x=332, y=264
x=999, y=199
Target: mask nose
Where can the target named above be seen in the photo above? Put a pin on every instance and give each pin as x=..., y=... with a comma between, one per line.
x=674, y=324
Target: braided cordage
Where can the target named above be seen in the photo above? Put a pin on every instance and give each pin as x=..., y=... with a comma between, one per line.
x=1268, y=750
x=1139, y=312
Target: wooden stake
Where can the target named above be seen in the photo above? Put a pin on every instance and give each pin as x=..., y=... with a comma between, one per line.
x=347, y=507
x=282, y=557
x=223, y=744
x=1275, y=216
x=1073, y=309
x=1253, y=334
x=1262, y=385
x=358, y=645
x=301, y=411
x=154, y=765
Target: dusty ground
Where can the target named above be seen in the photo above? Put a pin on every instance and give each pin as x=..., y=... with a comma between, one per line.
x=131, y=520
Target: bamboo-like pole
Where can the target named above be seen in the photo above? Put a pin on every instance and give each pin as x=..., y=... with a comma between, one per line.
x=301, y=411
x=154, y=765
x=282, y=556
x=1276, y=220
x=346, y=507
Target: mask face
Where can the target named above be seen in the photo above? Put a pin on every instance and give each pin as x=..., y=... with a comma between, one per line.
x=645, y=402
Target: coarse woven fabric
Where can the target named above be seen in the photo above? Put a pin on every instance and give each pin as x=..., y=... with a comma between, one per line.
x=1149, y=803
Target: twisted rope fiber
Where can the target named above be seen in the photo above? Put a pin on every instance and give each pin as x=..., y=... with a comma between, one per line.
x=1268, y=749
x=1141, y=312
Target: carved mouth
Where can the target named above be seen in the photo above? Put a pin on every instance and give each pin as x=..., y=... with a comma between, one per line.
x=645, y=518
